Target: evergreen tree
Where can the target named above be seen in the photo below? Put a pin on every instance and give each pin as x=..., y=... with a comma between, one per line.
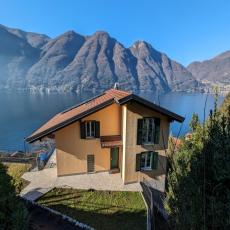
x=198, y=194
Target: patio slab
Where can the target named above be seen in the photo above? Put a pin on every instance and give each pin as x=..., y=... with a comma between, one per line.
x=43, y=181
x=97, y=181
x=40, y=183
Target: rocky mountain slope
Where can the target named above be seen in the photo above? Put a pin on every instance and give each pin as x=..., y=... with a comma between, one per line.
x=216, y=69
x=213, y=73
x=72, y=62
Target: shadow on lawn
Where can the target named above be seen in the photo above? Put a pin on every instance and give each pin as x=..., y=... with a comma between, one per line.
x=103, y=221
x=59, y=198
x=83, y=204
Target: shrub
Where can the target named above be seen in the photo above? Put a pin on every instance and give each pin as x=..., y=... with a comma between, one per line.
x=16, y=170
x=13, y=214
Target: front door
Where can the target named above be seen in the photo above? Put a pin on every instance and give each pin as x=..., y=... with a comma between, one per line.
x=114, y=158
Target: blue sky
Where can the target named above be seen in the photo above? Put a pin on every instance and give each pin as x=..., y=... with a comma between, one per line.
x=186, y=30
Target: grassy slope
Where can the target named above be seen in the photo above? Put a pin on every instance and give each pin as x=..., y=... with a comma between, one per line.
x=99, y=209
x=16, y=170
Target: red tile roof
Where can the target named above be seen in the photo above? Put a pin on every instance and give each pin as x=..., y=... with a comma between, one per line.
x=92, y=105
x=66, y=116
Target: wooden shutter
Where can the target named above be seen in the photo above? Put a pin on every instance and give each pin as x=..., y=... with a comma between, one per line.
x=138, y=162
x=154, y=160
x=157, y=122
x=139, y=131
x=82, y=130
x=97, y=129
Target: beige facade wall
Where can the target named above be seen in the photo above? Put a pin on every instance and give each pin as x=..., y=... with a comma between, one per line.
x=72, y=151
x=156, y=177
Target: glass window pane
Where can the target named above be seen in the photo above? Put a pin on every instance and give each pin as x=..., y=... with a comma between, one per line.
x=86, y=129
x=89, y=129
x=92, y=128
x=148, y=161
x=143, y=156
x=148, y=130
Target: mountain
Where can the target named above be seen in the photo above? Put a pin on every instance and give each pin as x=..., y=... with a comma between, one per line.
x=72, y=62
x=18, y=52
x=216, y=69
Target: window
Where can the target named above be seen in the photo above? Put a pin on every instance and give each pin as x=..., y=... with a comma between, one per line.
x=90, y=129
x=146, y=161
x=148, y=131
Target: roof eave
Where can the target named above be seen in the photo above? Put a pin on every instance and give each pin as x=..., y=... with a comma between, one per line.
x=40, y=135
x=151, y=105
x=122, y=101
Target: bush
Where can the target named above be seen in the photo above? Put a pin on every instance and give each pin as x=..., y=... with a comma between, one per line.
x=13, y=214
x=16, y=170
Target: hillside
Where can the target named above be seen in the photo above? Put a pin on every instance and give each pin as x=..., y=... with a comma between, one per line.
x=213, y=72
x=73, y=62
x=215, y=69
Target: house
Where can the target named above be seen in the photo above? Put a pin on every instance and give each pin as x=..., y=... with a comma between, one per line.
x=116, y=132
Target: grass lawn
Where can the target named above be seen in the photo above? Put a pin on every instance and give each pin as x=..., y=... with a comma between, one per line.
x=99, y=209
x=16, y=170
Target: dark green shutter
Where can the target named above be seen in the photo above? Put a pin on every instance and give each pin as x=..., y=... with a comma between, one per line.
x=157, y=122
x=97, y=129
x=138, y=162
x=139, y=131
x=82, y=130
x=154, y=160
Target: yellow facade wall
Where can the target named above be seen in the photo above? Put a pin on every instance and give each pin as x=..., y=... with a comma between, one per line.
x=134, y=112
x=72, y=151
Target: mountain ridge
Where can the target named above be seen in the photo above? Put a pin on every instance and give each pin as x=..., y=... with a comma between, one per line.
x=214, y=69
x=77, y=63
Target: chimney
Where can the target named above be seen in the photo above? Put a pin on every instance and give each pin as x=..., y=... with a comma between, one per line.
x=116, y=85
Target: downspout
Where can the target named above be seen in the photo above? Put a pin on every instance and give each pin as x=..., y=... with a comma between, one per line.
x=124, y=127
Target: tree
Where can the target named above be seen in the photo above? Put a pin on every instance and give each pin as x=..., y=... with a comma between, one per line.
x=194, y=122
x=13, y=214
x=198, y=195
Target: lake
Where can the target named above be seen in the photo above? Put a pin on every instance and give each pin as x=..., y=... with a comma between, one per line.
x=23, y=112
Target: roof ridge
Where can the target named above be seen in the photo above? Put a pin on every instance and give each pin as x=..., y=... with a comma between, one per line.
x=93, y=98
x=81, y=103
x=117, y=91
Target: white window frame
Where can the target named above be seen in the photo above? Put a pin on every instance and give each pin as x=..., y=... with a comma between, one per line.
x=92, y=132
x=146, y=122
x=146, y=166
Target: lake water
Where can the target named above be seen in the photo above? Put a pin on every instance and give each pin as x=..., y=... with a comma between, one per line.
x=23, y=112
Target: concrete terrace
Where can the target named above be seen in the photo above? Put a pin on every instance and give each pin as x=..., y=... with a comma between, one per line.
x=43, y=181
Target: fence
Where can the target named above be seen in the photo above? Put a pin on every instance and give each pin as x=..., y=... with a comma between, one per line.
x=25, y=160
x=155, y=202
